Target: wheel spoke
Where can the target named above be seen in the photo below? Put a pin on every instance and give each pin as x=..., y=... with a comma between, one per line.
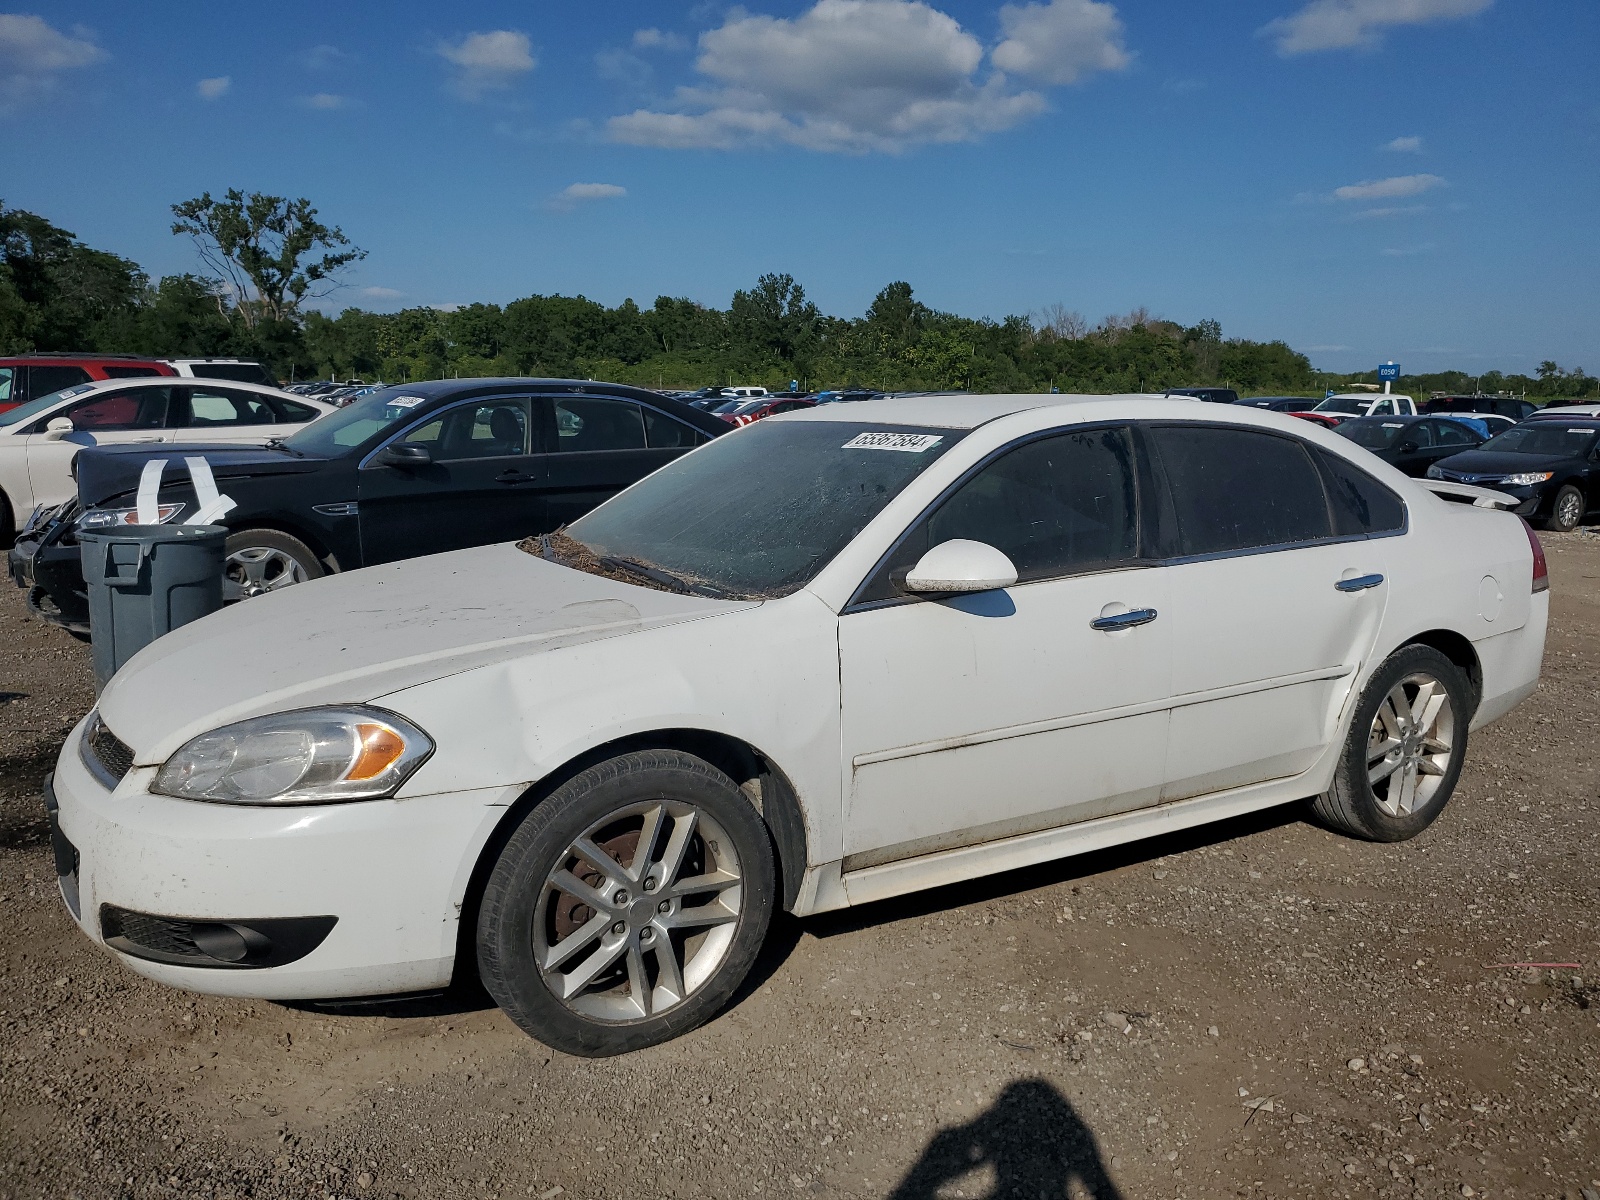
x=573, y=942
x=1426, y=766
x=638, y=979
x=1400, y=709
x=702, y=917
x=683, y=829
x=647, y=841
x=1430, y=700
x=606, y=953
x=1382, y=749
x=585, y=849
x=1408, y=788
x=668, y=970
x=569, y=883
x=1384, y=769
x=714, y=881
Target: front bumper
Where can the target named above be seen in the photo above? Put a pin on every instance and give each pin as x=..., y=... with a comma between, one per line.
x=46, y=563
x=392, y=872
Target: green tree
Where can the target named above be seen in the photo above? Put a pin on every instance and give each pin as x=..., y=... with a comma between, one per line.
x=265, y=248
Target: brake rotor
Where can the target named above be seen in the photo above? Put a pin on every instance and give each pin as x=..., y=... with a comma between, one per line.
x=571, y=914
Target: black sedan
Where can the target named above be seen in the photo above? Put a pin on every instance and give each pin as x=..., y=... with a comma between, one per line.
x=1281, y=403
x=410, y=470
x=1413, y=444
x=1553, y=467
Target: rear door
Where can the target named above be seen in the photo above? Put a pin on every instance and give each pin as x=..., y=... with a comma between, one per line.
x=599, y=445
x=1275, y=592
x=479, y=488
x=204, y=412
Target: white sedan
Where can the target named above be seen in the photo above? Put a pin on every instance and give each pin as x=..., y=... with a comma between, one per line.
x=830, y=658
x=39, y=440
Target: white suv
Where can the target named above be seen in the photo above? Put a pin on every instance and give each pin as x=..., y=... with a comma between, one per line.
x=240, y=370
x=969, y=634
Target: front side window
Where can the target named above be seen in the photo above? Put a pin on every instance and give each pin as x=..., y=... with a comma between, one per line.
x=1374, y=435
x=585, y=423
x=1237, y=489
x=107, y=412
x=8, y=377
x=1453, y=433
x=490, y=429
x=1057, y=506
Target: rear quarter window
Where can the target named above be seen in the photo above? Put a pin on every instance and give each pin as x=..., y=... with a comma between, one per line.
x=1361, y=506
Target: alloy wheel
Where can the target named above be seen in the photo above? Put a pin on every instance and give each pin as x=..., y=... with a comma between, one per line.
x=1571, y=510
x=252, y=570
x=638, y=912
x=1409, y=746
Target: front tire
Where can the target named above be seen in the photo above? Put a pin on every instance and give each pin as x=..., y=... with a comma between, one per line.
x=257, y=561
x=1404, y=751
x=628, y=906
x=1566, y=512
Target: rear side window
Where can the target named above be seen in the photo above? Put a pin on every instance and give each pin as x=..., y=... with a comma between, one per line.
x=238, y=372
x=595, y=424
x=664, y=433
x=43, y=380
x=293, y=413
x=212, y=407
x=1237, y=489
x=8, y=377
x=1361, y=505
x=1057, y=506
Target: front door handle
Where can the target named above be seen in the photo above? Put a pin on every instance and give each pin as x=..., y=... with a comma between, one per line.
x=1359, y=584
x=514, y=477
x=1127, y=620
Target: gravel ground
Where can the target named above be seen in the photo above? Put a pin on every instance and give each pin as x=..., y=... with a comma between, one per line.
x=1257, y=1009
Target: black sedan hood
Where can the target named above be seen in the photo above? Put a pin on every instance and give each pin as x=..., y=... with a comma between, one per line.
x=1492, y=462
x=105, y=472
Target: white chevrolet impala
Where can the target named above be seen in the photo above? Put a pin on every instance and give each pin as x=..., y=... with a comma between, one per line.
x=829, y=658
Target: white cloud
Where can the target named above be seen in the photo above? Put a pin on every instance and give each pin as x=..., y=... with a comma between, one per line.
x=655, y=39
x=1382, y=214
x=489, y=61
x=575, y=194
x=1339, y=24
x=621, y=67
x=211, y=89
x=847, y=76
x=326, y=101
x=1408, y=251
x=381, y=293
x=1060, y=42
x=1404, y=145
x=322, y=57
x=1388, y=189
x=33, y=53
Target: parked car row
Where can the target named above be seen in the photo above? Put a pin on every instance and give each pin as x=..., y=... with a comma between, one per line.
x=26, y=377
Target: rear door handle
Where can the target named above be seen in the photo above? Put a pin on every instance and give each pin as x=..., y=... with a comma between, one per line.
x=1127, y=620
x=514, y=477
x=1359, y=584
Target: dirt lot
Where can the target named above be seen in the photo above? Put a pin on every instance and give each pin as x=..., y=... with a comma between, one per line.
x=1261, y=1008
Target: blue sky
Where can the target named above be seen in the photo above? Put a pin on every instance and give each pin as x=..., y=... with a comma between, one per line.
x=1366, y=179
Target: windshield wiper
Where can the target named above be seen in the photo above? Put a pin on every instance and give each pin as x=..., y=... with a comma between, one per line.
x=662, y=578
x=282, y=444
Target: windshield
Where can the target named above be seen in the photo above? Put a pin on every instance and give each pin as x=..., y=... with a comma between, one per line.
x=759, y=512
x=43, y=404
x=1344, y=404
x=1544, y=438
x=1374, y=435
x=355, y=424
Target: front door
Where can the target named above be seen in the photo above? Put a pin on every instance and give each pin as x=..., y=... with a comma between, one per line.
x=1274, y=597
x=113, y=418
x=979, y=717
x=479, y=487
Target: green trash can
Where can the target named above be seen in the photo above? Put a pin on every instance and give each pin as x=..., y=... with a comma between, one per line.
x=144, y=581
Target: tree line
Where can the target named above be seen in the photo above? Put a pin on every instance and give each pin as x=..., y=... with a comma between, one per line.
x=268, y=258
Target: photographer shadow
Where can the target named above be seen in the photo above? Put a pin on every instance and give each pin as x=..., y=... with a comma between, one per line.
x=1030, y=1142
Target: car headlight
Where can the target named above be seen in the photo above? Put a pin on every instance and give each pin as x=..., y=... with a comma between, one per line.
x=1435, y=473
x=1527, y=477
x=313, y=756
x=108, y=518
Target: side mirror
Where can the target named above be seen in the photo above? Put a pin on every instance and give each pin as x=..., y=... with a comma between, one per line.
x=961, y=566
x=404, y=455
x=1409, y=447
x=58, y=428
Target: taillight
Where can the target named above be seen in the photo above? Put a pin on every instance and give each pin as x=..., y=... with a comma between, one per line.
x=1541, y=569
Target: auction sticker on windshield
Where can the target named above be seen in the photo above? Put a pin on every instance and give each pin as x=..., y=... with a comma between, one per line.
x=911, y=443
x=403, y=402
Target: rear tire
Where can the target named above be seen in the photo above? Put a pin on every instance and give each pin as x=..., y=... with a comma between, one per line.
x=257, y=561
x=1404, y=751
x=1566, y=512
x=628, y=906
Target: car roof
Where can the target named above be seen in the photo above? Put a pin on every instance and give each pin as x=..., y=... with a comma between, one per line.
x=167, y=381
x=969, y=412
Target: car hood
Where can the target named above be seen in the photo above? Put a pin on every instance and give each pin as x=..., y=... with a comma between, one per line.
x=105, y=472
x=355, y=637
x=1491, y=462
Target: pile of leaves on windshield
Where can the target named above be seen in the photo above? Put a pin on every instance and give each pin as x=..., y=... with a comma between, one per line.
x=567, y=551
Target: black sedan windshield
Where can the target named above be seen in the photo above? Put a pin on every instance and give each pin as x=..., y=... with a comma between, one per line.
x=355, y=424
x=1547, y=437
x=1374, y=435
x=759, y=512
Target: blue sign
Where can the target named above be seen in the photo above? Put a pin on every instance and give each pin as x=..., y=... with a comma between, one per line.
x=1390, y=370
